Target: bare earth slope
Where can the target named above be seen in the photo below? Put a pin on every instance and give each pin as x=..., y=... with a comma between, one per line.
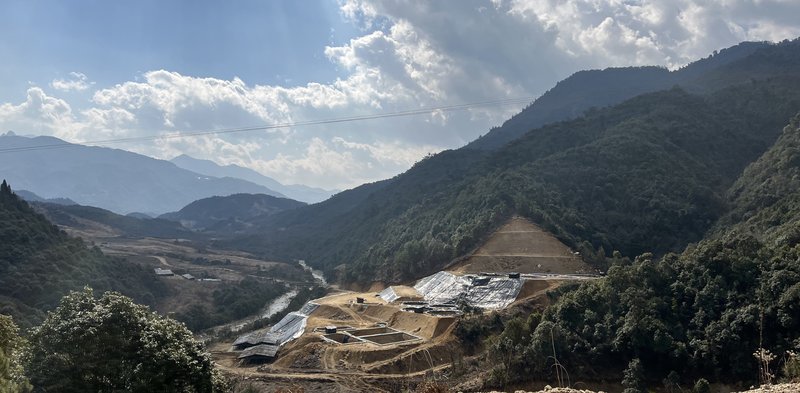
x=521, y=246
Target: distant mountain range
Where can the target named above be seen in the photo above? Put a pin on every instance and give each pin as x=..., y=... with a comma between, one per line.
x=32, y=197
x=112, y=179
x=297, y=192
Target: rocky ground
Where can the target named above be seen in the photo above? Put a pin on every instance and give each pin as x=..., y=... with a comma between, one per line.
x=779, y=388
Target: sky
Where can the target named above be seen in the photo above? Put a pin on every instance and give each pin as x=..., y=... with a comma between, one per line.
x=93, y=70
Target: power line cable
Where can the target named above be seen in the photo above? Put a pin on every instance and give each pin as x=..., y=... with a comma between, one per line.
x=188, y=134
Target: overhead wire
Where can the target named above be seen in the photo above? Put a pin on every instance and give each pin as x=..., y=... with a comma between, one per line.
x=264, y=127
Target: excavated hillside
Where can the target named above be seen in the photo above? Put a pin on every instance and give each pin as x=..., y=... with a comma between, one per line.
x=402, y=334
x=522, y=246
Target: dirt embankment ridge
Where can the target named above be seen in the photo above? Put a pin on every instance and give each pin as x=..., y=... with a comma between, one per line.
x=779, y=388
x=548, y=389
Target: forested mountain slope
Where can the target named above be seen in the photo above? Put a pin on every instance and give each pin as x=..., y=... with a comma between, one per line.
x=229, y=211
x=39, y=264
x=702, y=313
x=584, y=90
x=649, y=174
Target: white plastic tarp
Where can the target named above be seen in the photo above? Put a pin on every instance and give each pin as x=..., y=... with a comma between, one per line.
x=288, y=328
x=388, y=294
x=444, y=287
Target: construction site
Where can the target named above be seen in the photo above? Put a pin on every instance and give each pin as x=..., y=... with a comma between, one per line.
x=394, y=334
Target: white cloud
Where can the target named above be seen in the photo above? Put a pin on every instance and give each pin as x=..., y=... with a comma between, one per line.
x=38, y=114
x=78, y=81
x=409, y=55
x=658, y=32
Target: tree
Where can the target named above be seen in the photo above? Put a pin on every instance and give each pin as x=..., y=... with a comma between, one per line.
x=111, y=344
x=12, y=350
x=701, y=386
x=633, y=380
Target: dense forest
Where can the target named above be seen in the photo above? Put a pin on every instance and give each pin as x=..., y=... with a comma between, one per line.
x=701, y=313
x=39, y=263
x=649, y=174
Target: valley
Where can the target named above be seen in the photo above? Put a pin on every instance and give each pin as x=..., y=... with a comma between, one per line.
x=195, y=276
x=397, y=336
x=634, y=229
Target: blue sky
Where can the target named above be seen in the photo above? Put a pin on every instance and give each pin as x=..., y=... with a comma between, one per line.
x=262, y=42
x=89, y=70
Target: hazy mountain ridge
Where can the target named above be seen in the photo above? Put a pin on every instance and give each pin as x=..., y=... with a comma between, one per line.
x=584, y=90
x=111, y=179
x=32, y=197
x=297, y=192
x=226, y=213
x=87, y=217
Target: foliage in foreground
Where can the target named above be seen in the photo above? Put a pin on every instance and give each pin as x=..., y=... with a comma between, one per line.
x=12, y=350
x=111, y=344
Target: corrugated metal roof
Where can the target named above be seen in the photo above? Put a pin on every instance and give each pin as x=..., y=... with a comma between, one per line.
x=163, y=272
x=264, y=350
x=288, y=328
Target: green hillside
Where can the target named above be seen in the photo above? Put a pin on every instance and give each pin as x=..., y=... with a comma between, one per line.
x=584, y=90
x=701, y=313
x=649, y=174
x=39, y=264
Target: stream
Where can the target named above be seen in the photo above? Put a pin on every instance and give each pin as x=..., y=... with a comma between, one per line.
x=279, y=304
x=316, y=273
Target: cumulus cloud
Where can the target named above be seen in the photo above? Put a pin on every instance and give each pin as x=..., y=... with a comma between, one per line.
x=38, y=114
x=77, y=81
x=409, y=55
x=659, y=32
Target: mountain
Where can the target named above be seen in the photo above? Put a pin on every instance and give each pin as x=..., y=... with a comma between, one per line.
x=39, y=264
x=226, y=213
x=700, y=313
x=31, y=197
x=111, y=179
x=649, y=174
x=297, y=192
x=765, y=199
x=584, y=90
x=88, y=217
